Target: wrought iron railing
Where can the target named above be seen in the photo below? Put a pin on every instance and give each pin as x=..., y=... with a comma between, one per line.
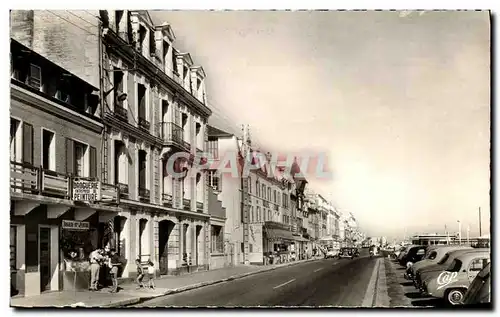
x=199, y=206
x=186, y=202
x=172, y=133
x=144, y=124
x=167, y=200
x=265, y=203
x=144, y=194
x=121, y=112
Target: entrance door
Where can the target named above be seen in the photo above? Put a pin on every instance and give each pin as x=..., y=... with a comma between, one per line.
x=197, y=244
x=44, y=251
x=165, y=227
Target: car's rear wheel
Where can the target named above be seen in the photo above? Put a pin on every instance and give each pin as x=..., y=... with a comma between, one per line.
x=455, y=296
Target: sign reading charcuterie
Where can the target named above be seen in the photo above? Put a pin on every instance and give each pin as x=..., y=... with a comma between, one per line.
x=84, y=190
x=75, y=225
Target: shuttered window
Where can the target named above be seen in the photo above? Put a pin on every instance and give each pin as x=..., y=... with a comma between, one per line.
x=35, y=78
x=70, y=156
x=93, y=162
x=27, y=143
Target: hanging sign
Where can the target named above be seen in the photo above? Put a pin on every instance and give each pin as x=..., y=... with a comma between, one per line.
x=75, y=225
x=84, y=190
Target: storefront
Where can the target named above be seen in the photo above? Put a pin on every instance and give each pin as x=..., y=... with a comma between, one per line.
x=279, y=241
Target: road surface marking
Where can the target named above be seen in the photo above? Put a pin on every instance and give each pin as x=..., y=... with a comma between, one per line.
x=290, y=281
x=369, y=298
x=317, y=270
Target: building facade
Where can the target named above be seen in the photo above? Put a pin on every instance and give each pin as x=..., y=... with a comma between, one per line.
x=55, y=138
x=152, y=107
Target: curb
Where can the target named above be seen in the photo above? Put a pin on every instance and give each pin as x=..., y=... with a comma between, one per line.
x=203, y=284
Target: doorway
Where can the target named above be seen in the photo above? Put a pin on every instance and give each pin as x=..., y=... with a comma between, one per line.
x=165, y=228
x=44, y=259
x=197, y=244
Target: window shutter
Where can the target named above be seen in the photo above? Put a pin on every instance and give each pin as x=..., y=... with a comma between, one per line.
x=70, y=156
x=27, y=143
x=93, y=162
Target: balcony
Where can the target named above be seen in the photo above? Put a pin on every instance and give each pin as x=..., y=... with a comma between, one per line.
x=144, y=194
x=186, y=203
x=276, y=207
x=167, y=200
x=123, y=190
x=172, y=134
x=144, y=124
x=265, y=203
x=121, y=112
x=28, y=179
x=199, y=206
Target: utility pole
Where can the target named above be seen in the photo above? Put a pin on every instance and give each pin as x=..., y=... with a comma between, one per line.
x=480, y=231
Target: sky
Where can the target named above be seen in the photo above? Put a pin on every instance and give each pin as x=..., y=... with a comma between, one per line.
x=399, y=102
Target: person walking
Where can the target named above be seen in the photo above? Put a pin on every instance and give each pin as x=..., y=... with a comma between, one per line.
x=140, y=274
x=114, y=264
x=95, y=267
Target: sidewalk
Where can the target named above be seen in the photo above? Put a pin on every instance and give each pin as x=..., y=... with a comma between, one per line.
x=397, y=285
x=129, y=295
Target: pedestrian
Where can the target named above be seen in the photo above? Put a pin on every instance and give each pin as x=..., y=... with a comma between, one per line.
x=151, y=274
x=140, y=274
x=114, y=263
x=95, y=267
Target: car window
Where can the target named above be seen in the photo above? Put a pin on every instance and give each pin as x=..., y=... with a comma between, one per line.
x=455, y=266
x=478, y=264
x=444, y=259
x=432, y=255
x=485, y=273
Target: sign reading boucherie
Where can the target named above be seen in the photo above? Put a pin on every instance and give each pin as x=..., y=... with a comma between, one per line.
x=86, y=190
x=75, y=225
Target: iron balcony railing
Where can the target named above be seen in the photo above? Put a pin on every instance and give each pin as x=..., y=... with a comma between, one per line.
x=121, y=112
x=26, y=178
x=144, y=124
x=276, y=207
x=172, y=133
x=186, y=202
x=265, y=203
x=144, y=194
x=199, y=206
x=167, y=200
x=123, y=190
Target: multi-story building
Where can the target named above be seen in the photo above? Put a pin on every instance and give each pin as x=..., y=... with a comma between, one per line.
x=55, y=138
x=153, y=108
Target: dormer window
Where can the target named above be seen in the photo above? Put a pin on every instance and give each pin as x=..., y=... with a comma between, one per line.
x=152, y=44
x=142, y=38
x=35, y=77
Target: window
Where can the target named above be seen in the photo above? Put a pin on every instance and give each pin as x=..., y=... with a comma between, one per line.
x=257, y=189
x=269, y=215
x=48, y=150
x=269, y=193
x=121, y=163
x=199, y=140
x=213, y=148
x=249, y=182
x=141, y=101
x=258, y=215
x=142, y=169
x=252, y=216
x=63, y=89
x=274, y=196
x=35, y=77
x=432, y=255
x=142, y=38
x=80, y=162
x=152, y=44
x=13, y=248
x=478, y=264
x=263, y=191
x=118, y=87
x=250, y=248
x=217, y=239
x=455, y=266
x=15, y=140
x=214, y=180
x=166, y=47
x=118, y=19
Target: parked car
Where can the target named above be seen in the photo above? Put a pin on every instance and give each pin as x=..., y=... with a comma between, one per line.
x=452, y=283
x=434, y=255
x=330, y=253
x=404, y=251
x=423, y=273
x=479, y=291
x=413, y=255
x=346, y=253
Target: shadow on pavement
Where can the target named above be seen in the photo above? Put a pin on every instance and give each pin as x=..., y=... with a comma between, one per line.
x=400, y=268
x=433, y=302
x=406, y=284
x=414, y=295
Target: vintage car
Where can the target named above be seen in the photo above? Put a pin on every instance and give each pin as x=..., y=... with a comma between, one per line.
x=414, y=254
x=347, y=253
x=434, y=255
x=330, y=253
x=452, y=283
x=423, y=273
x=479, y=291
x=404, y=251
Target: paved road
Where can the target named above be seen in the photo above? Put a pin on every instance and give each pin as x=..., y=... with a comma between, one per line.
x=332, y=282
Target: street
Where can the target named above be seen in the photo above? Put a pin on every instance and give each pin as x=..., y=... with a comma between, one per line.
x=325, y=282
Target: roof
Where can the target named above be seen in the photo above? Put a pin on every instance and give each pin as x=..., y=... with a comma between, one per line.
x=56, y=66
x=213, y=131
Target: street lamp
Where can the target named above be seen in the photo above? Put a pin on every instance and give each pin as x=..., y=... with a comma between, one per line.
x=459, y=232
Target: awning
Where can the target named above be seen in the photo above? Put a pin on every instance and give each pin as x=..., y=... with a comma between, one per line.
x=301, y=239
x=279, y=234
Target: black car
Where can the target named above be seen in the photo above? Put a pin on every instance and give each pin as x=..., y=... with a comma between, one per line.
x=415, y=254
x=347, y=253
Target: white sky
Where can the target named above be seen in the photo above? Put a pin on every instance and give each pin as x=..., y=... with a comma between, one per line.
x=400, y=102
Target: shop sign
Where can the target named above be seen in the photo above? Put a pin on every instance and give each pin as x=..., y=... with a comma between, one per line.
x=84, y=190
x=75, y=225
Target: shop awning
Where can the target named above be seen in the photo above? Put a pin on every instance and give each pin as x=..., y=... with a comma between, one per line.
x=279, y=234
x=301, y=239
